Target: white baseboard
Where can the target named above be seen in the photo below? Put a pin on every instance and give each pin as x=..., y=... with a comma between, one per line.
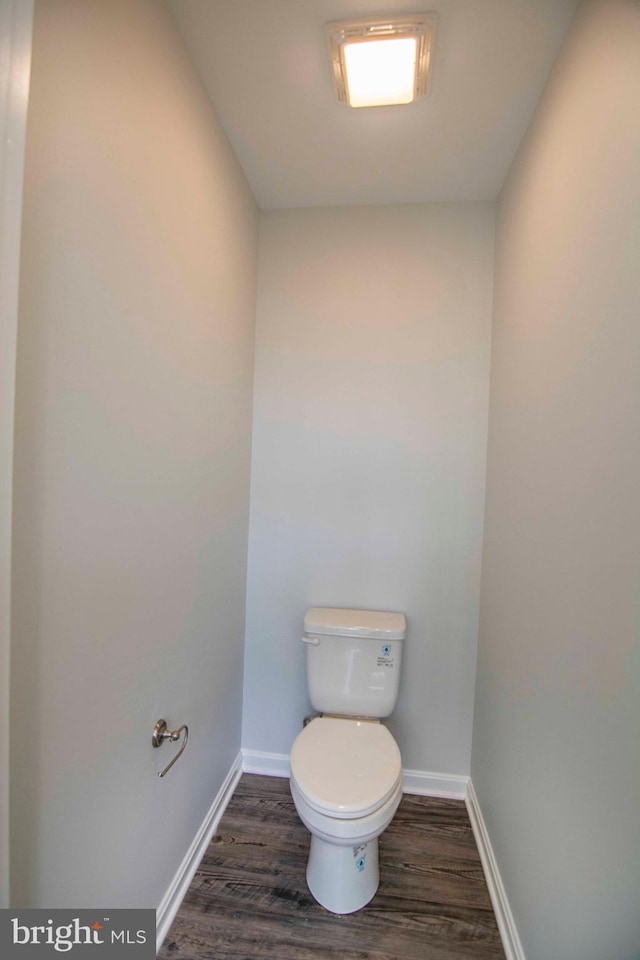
x=414, y=781
x=450, y=786
x=504, y=917
x=266, y=764
x=180, y=884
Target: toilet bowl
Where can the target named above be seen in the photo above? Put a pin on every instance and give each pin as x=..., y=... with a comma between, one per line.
x=346, y=784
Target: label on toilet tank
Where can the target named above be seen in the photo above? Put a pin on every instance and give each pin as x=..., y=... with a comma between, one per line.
x=386, y=660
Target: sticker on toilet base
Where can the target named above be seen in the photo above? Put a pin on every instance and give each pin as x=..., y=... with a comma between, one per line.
x=360, y=857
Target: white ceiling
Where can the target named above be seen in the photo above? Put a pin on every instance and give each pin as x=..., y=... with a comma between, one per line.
x=266, y=67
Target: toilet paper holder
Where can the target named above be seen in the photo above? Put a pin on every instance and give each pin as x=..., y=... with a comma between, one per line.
x=160, y=734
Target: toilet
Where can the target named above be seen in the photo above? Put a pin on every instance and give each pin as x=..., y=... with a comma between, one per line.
x=346, y=769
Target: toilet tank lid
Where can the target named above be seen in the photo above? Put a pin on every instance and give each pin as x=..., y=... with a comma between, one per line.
x=374, y=624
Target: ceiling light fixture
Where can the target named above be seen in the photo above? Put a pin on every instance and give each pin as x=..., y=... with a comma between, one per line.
x=381, y=62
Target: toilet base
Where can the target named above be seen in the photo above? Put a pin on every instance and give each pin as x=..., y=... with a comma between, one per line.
x=343, y=879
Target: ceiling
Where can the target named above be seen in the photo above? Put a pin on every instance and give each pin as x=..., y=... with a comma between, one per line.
x=266, y=67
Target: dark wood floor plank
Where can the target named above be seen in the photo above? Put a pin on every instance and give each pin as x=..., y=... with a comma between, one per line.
x=249, y=900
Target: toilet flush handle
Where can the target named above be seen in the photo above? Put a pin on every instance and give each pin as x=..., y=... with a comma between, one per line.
x=312, y=640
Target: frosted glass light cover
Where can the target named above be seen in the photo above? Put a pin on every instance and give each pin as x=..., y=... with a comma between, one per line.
x=381, y=62
x=381, y=72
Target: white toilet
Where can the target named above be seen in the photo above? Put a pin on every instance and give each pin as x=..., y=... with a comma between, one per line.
x=346, y=770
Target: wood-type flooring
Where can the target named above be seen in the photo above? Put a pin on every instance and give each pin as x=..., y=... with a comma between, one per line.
x=249, y=898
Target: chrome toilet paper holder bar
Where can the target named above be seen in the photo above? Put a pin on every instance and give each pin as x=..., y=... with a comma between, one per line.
x=161, y=734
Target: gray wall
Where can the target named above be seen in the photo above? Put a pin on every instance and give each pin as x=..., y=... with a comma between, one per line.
x=370, y=417
x=557, y=724
x=134, y=376
x=16, y=20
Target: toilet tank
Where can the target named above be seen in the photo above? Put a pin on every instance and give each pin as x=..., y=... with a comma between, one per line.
x=353, y=660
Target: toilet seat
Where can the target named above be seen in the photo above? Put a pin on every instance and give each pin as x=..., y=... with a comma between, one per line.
x=345, y=768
